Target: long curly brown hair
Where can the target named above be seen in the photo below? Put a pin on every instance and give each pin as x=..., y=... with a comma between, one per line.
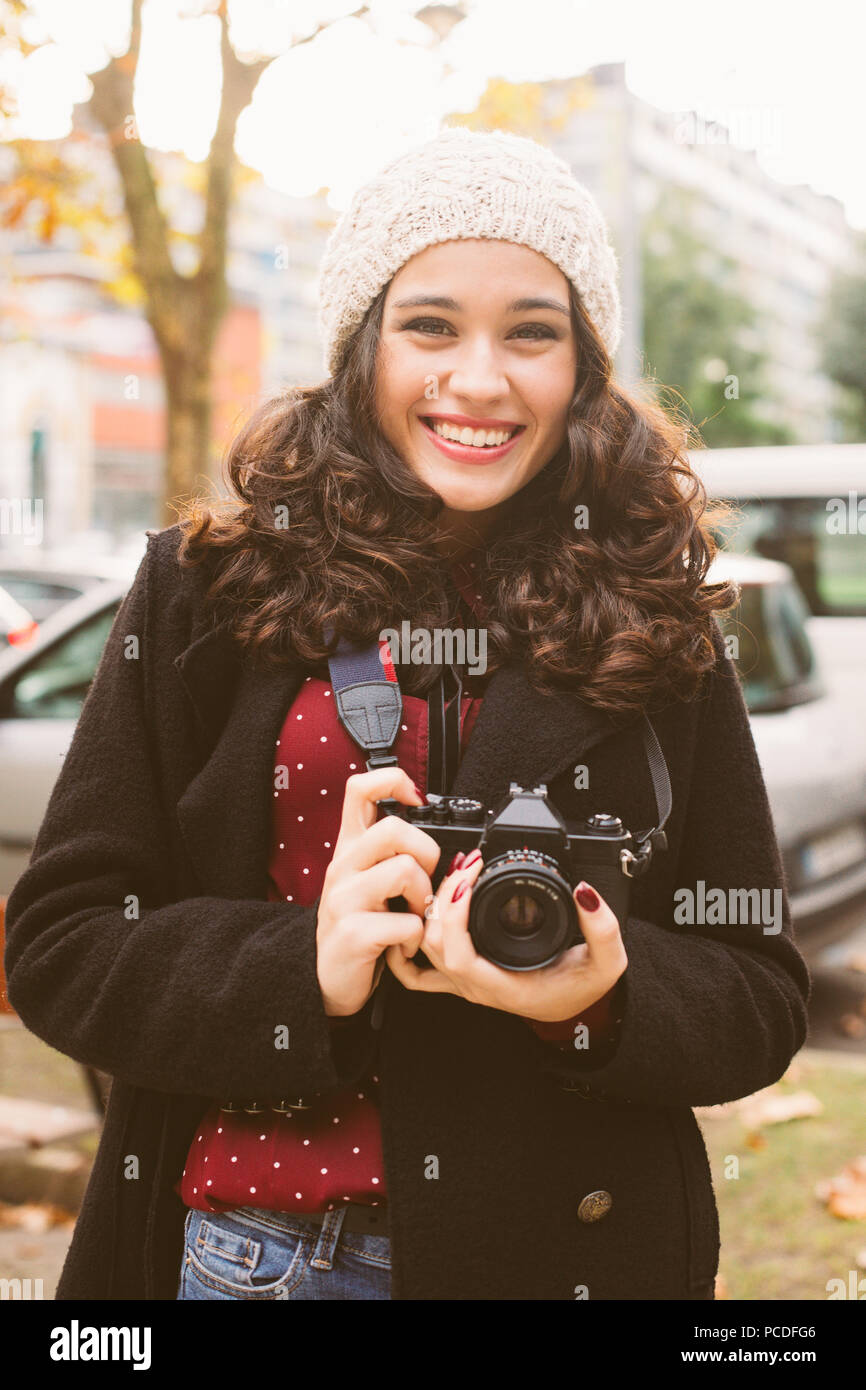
x=330, y=526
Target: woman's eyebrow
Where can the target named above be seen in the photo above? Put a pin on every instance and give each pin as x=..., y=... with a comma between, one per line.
x=518, y=306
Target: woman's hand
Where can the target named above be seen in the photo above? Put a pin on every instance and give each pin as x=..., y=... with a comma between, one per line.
x=555, y=992
x=372, y=861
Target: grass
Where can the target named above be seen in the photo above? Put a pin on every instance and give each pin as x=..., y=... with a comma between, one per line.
x=779, y=1241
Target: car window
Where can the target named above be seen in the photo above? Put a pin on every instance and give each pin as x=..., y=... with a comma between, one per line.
x=818, y=538
x=12, y=615
x=40, y=597
x=773, y=653
x=54, y=684
x=791, y=614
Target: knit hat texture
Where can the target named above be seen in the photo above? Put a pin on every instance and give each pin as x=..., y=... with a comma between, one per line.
x=466, y=183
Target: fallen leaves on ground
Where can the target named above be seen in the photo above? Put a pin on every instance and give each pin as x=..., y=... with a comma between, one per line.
x=770, y=1107
x=845, y=1194
x=34, y=1217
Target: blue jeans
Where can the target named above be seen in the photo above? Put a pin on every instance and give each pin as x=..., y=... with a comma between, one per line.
x=257, y=1254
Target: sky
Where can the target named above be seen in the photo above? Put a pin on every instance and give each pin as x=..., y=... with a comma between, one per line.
x=787, y=80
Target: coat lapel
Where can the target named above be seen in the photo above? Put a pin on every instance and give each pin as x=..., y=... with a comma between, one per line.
x=239, y=707
x=524, y=736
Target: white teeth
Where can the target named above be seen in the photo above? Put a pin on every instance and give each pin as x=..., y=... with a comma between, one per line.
x=466, y=435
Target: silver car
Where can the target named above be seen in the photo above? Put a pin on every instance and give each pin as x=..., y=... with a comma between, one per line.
x=805, y=705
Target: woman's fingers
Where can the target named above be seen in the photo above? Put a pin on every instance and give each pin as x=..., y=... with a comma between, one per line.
x=448, y=927
x=413, y=977
x=401, y=874
x=375, y=932
x=601, y=932
x=362, y=791
x=391, y=835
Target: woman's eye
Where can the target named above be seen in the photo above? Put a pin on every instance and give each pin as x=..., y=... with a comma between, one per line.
x=426, y=325
x=532, y=330
x=537, y=330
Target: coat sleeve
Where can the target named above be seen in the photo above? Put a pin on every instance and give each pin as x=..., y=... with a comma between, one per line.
x=175, y=996
x=709, y=1012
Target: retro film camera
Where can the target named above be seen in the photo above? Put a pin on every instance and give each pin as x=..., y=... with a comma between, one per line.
x=522, y=913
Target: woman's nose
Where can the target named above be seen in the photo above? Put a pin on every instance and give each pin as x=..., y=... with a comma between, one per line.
x=477, y=373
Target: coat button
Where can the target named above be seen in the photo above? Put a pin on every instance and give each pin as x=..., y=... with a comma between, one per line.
x=594, y=1206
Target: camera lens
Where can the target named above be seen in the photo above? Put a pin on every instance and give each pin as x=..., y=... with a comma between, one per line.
x=521, y=915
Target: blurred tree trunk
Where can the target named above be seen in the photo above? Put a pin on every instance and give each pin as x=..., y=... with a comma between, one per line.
x=184, y=311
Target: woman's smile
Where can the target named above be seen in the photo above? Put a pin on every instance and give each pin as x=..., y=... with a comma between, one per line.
x=471, y=441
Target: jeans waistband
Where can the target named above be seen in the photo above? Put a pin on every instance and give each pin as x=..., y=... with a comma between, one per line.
x=328, y=1226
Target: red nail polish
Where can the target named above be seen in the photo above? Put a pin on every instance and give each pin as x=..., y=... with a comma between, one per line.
x=418, y=791
x=474, y=856
x=587, y=897
x=460, y=889
x=455, y=862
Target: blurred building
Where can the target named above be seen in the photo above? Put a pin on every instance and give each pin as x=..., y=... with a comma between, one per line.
x=83, y=420
x=787, y=240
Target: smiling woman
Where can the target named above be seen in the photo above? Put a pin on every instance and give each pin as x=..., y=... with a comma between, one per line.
x=418, y=1120
x=472, y=405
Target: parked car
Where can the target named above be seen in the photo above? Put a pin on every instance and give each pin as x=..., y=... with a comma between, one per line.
x=42, y=689
x=44, y=580
x=811, y=742
x=809, y=734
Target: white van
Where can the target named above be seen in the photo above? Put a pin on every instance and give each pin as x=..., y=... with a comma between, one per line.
x=803, y=504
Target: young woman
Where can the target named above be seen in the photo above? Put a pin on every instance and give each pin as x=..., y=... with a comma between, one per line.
x=316, y=1096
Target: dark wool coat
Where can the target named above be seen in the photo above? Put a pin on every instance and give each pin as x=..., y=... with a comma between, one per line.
x=164, y=800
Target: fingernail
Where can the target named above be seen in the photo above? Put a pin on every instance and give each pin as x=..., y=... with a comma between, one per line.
x=474, y=856
x=456, y=862
x=587, y=897
x=460, y=889
x=418, y=791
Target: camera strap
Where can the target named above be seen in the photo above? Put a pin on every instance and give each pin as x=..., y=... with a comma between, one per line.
x=369, y=703
x=655, y=839
x=370, y=707
x=443, y=735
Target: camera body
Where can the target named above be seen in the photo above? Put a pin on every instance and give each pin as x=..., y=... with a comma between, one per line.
x=522, y=913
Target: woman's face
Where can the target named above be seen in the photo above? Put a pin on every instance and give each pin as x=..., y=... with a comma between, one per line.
x=476, y=336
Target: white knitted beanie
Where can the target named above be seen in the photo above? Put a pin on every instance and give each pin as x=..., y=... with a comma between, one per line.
x=466, y=183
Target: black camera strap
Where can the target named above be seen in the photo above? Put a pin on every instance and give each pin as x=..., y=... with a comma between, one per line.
x=370, y=706
x=369, y=703
x=443, y=735
x=655, y=839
